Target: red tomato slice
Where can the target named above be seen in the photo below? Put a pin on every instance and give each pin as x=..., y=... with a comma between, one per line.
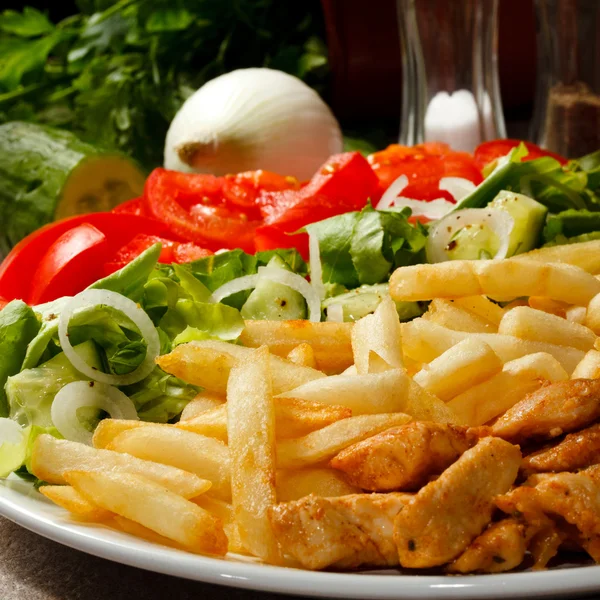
x=17, y=269
x=173, y=198
x=184, y=253
x=344, y=183
x=71, y=264
x=488, y=151
x=271, y=238
x=131, y=207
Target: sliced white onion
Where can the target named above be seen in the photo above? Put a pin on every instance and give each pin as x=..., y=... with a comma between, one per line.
x=316, y=267
x=90, y=298
x=457, y=187
x=241, y=284
x=10, y=432
x=89, y=394
x=432, y=209
x=440, y=235
x=335, y=313
x=389, y=196
x=298, y=284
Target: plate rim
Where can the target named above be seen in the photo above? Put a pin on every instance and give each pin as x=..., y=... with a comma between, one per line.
x=285, y=580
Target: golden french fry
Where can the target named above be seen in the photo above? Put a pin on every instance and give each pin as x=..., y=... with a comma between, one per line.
x=211, y=423
x=108, y=429
x=499, y=279
x=204, y=401
x=164, y=444
x=324, y=444
x=208, y=363
x=303, y=355
x=251, y=425
x=548, y=305
x=139, y=531
x=589, y=367
x=585, y=255
x=293, y=484
x=424, y=341
x=493, y=397
x=224, y=512
x=377, y=340
x=151, y=505
x=530, y=324
x=374, y=393
x=592, y=319
x=482, y=307
x=446, y=313
x=466, y=364
x=51, y=458
x=576, y=314
x=70, y=499
x=330, y=342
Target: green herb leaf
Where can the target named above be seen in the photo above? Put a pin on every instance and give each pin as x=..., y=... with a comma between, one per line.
x=30, y=23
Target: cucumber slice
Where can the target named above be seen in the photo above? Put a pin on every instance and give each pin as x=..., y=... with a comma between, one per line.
x=473, y=242
x=529, y=217
x=48, y=174
x=274, y=301
x=365, y=299
x=30, y=393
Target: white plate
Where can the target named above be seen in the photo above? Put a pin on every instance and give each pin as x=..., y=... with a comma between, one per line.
x=20, y=503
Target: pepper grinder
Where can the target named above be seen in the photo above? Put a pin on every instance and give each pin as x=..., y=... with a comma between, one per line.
x=450, y=90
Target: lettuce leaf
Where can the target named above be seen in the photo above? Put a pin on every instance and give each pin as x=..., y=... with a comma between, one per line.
x=570, y=223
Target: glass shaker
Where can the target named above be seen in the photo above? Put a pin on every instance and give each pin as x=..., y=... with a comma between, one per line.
x=451, y=91
x=567, y=112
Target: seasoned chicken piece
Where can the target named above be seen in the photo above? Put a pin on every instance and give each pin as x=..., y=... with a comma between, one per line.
x=404, y=458
x=346, y=531
x=576, y=451
x=440, y=522
x=544, y=545
x=501, y=547
x=550, y=411
x=572, y=497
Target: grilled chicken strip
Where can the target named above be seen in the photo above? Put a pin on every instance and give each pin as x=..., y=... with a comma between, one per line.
x=445, y=516
x=501, y=547
x=404, y=458
x=551, y=411
x=347, y=531
x=572, y=497
x=576, y=451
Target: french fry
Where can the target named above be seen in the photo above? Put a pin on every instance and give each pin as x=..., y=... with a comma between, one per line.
x=576, y=314
x=377, y=340
x=303, y=355
x=482, y=307
x=149, y=504
x=589, y=367
x=499, y=279
x=293, y=484
x=446, y=313
x=139, y=531
x=293, y=418
x=208, y=363
x=108, y=429
x=592, y=319
x=548, y=305
x=330, y=342
x=164, y=444
x=224, y=512
x=204, y=401
x=251, y=425
x=424, y=341
x=585, y=255
x=322, y=445
x=466, y=364
x=69, y=498
x=375, y=393
x=530, y=324
x=51, y=458
x=493, y=397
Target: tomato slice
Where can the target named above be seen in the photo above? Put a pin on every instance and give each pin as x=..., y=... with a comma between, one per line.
x=184, y=253
x=17, y=269
x=71, y=264
x=131, y=207
x=174, y=199
x=344, y=183
x=268, y=237
x=489, y=151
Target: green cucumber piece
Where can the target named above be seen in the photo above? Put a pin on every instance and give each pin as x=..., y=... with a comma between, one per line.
x=274, y=301
x=48, y=174
x=529, y=217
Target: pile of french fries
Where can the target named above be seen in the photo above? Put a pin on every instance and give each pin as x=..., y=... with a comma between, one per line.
x=274, y=411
